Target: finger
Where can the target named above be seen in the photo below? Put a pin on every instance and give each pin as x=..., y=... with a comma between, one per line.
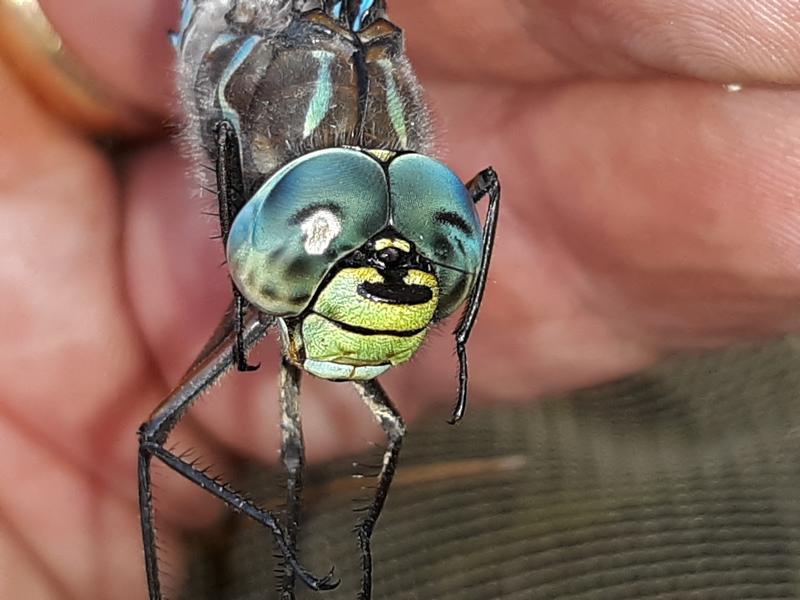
x=46, y=395
x=123, y=44
x=534, y=41
x=74, y=376
x=75, y=538
x=637, y=219
x=693, y=212
x=524, y=41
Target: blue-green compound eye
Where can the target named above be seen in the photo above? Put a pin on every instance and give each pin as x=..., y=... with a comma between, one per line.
x=432, y=208
x=307, y=216
x=322, y=206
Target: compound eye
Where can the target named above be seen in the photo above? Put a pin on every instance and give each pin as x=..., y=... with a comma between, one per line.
x=306, y=217
x=431, y=207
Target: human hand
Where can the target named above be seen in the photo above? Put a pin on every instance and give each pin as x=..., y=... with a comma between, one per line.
x=645, y=210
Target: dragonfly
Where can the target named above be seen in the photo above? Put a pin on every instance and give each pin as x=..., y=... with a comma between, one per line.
x=342, y=232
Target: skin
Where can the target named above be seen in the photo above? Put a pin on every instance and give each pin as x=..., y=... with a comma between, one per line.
x=646, y=211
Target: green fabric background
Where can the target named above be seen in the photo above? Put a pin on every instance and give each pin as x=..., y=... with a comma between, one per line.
x=678, y=483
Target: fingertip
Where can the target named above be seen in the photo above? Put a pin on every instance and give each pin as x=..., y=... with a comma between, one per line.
x=123, y=45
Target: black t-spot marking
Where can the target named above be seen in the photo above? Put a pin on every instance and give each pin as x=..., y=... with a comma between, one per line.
x=395, y=293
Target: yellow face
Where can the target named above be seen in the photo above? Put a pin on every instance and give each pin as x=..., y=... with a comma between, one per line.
x=360, y=324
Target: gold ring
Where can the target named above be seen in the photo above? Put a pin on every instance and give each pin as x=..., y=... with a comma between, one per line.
x=37, y=56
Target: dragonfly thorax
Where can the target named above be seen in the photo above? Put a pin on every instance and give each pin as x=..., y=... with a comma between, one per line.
x=292, y=83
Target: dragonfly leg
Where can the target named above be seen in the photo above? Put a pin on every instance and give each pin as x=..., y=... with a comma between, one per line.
x=230, y=197
x=240, y=307
x=392, y=423
x=293, y=457
x=484, y=183
x=215, y=361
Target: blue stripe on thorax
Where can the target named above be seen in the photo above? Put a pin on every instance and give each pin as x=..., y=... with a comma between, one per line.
x=358, y=21
x=320, y=102
x=362, y=12
x=228, y=112
x=188, y=8
x=222, y=40
x=394, y=102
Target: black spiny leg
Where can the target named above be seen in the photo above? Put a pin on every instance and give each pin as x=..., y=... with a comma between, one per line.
x=293, y=457
x=485, y=182
x=392, y=423
x=230, y=196
x=214, y=361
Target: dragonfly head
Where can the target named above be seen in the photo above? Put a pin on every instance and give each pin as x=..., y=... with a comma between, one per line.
x=360, y=253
